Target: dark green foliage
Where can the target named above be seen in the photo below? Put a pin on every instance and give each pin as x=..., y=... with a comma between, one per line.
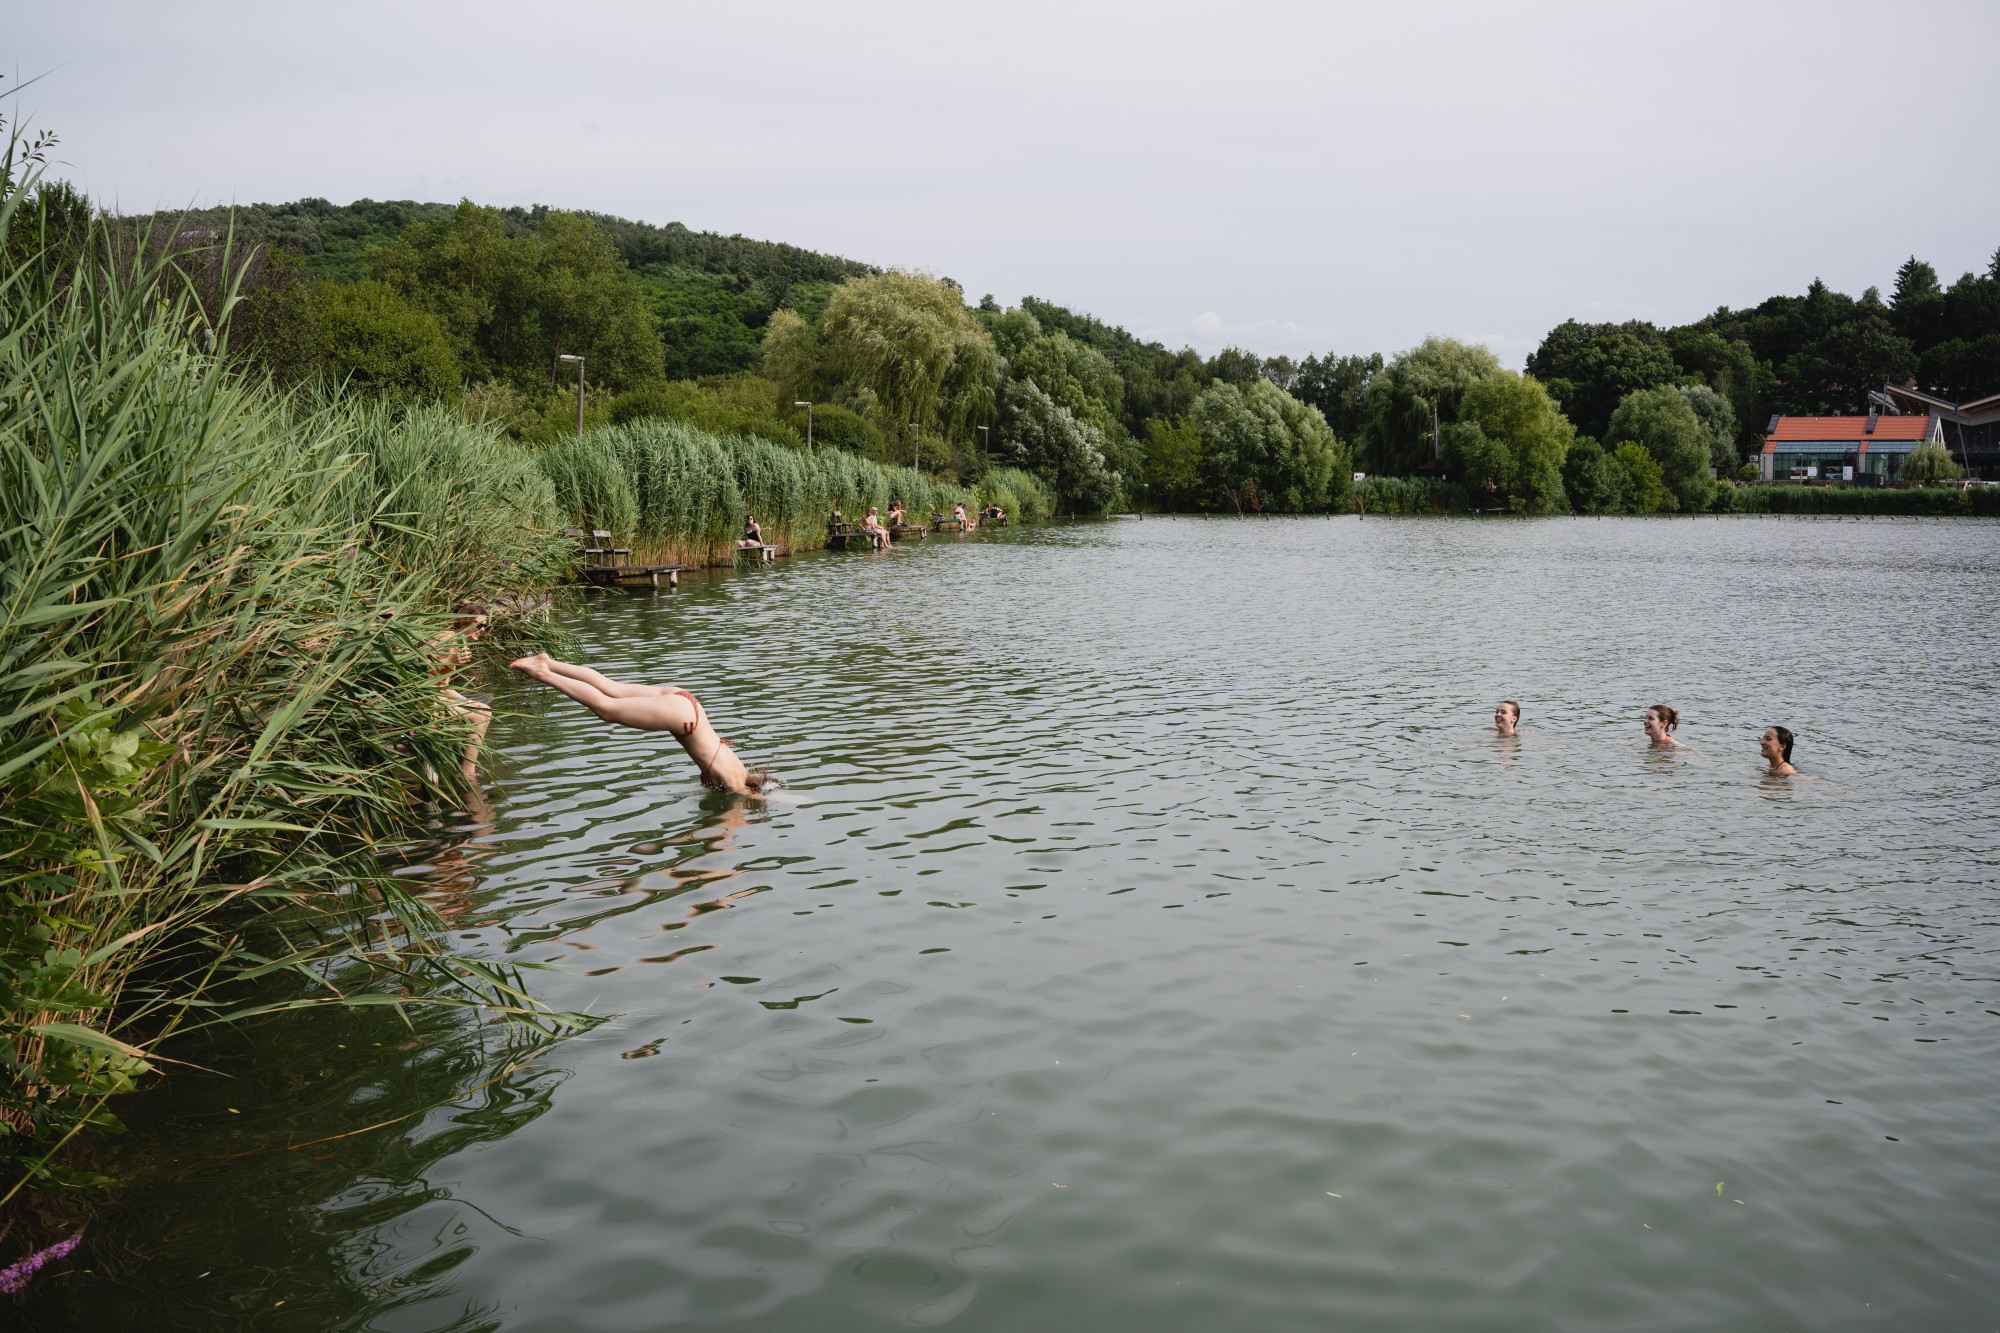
x=1927, y=502
x=1661, y=421
x=1592, y=479
x=375, y=343
x=1338, y=387
x=1590, y=381
x=1267, y=451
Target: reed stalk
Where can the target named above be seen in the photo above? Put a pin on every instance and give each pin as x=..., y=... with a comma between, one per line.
x=217, y=615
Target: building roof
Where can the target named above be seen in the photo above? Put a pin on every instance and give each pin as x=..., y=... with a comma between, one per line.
x=1849, y=430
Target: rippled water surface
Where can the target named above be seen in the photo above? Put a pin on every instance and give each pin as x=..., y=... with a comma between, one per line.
x=1151, y=934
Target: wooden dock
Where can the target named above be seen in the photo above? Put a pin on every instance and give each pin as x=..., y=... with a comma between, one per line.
x=908, y=532
x=606, y=565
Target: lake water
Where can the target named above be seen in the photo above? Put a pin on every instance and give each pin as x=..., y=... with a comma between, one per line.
x=1152, y=934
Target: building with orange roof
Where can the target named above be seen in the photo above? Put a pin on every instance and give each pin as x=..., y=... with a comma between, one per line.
x=1842, y=448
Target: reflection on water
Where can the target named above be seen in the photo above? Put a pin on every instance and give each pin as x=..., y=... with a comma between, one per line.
x=1152, y=933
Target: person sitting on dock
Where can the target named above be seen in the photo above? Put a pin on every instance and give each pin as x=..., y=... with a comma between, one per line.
x=896, y=514
x=958, y=515
x=651, y=708
x=752, y=534
x=1776, y=746
x=872, y=526
x=993, y=511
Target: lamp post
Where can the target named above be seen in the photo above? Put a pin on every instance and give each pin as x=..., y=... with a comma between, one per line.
x=985, y=439
x=809, y=422
x=579, y=390
x=917, y=457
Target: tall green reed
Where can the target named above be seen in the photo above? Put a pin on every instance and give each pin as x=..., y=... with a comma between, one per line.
x=676, y=494
x=217, y=615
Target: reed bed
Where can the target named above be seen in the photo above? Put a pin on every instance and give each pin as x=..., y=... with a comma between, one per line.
x=1928, y=502
x=217, y=611
x=677, y=494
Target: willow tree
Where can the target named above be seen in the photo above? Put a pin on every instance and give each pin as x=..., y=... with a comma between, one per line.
x=906, y=342
x=1420, y=388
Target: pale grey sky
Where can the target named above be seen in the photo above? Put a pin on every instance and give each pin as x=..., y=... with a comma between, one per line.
x=1286, y=177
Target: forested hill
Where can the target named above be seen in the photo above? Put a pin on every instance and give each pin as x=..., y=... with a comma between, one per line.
x=712, y=294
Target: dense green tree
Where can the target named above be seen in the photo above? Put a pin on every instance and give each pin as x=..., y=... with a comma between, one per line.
x=904, y=343
x=512, y=301
x=1726, y=366
x=1265, y=449
x=377, y=343
x=1173, y=466
x=1641, y=483
x=1592, y=479
x=1041, y=436
x=1338, y=387
x=1603, y=371
x=1718, y=418
x=1512, y=438
x=1661, y=421
x=1413, y=391
x=1959, y=370
x=1074, y=374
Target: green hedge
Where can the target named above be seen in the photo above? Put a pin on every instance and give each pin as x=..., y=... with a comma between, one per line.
x=1931, y=501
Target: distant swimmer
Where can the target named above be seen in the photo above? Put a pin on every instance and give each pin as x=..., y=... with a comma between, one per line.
x=1506, y=717
x=1776, y=746
x=651, y=708
x=1660, y=723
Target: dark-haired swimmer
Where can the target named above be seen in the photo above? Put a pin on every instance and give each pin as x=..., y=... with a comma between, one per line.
x=1506, y=717
x=651, y=708
x=1776, y=746
x=1660, y=723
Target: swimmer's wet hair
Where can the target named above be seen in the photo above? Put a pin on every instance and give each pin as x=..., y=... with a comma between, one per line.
x=1785, y=739
x=1667, y=715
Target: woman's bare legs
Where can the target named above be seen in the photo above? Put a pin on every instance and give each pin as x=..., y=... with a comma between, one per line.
x=617, y=689
x=652, y=711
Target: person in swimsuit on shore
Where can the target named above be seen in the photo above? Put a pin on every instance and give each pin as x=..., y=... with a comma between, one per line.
x=651, y=708
x=1776, y=746
x=1506, y=717
x=1660, y=723
x=751, y=532
x=452, y=655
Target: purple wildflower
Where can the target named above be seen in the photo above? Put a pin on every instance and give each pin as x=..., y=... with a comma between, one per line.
x=15, y=1276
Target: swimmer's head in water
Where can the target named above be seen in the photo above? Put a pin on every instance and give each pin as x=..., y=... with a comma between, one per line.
x=1508, y=713
x=1660, y=721
x=1777, y=744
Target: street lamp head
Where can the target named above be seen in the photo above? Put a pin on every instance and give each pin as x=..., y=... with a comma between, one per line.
x=567, y=357
x=801, y=404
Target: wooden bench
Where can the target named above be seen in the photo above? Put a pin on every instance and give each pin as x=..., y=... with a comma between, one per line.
x=603, y=565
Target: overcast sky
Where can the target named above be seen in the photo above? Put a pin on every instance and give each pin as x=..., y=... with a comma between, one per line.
x=1288, y=178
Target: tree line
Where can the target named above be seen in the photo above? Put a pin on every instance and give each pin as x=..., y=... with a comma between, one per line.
x=416, y=302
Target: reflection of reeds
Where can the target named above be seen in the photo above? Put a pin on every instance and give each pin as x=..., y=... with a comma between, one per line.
x=216, y=619
x=677, y=494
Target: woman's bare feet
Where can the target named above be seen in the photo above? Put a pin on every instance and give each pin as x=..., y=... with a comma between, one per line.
x=531, y=666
